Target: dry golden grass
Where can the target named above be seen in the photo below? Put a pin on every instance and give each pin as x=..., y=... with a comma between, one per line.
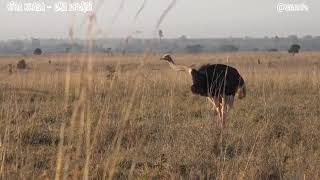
x=132, y=117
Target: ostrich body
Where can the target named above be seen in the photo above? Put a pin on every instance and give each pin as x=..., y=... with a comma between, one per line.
x=218, y=82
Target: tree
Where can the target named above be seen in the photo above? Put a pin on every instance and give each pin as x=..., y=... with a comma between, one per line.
x=295, y=48
x=108, y=51
x=307, y=37
x=160, y=32
x=272, y=50
x=228, y=48
x=276, y=41
x=16, y=44
x=37, y=51
x=183, y=38
x=194, y=48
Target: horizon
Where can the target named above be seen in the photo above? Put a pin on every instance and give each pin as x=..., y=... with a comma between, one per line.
x=167, y=38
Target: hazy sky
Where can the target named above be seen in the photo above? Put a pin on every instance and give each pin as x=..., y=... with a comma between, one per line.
x=194, y=18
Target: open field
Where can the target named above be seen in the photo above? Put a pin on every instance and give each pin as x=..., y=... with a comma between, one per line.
x=121, y=117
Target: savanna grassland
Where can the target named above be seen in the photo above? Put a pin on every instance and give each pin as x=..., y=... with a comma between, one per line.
x=120, y=117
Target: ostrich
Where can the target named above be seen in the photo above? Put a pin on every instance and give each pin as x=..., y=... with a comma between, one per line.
x=218, y=82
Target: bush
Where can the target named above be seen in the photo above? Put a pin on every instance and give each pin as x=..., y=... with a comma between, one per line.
x=37, y=51
x=228, y=48
x=194, y=48
x=272, y=50
x=22, y=64
x=295, y=48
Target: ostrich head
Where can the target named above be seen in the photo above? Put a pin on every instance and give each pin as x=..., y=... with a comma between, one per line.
x=199, y=80
x=168, y=58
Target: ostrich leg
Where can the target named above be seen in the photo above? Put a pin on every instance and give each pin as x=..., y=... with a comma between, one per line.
x=214, y=107
x=226, y=104
x=217, y=107
x=224, y=110
x=229, y=102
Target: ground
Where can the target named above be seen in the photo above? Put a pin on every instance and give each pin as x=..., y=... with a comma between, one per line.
x=123, y=117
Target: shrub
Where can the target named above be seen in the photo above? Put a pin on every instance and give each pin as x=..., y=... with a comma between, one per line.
x=194, y=48
x=228, y=48
x=37, y=51
x=295, y=48
x=22, y=64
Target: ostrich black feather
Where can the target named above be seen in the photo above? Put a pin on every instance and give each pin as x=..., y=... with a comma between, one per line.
x=216, y=80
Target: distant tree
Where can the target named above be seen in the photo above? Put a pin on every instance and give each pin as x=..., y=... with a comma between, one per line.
x=160, y=34
x=108, y=51
x=68, y=49
x=228, y=48
x=295, y=48
x=272, y=50
x=16, y=44
x=123, y=52
x=37, y=51
x=183, y=38
x=276, y=41
x=197, y=48
x=307, y=37
x=22, y=64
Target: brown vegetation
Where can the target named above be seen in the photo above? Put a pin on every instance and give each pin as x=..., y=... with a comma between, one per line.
x=68, y=120
x=22, y=64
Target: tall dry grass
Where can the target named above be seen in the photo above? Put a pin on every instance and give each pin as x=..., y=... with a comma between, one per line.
x=131, y=117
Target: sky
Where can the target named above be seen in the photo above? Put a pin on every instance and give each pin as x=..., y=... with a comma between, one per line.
x=193, y=18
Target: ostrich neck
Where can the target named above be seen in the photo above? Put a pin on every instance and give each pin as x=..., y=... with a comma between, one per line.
x=177, y=67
